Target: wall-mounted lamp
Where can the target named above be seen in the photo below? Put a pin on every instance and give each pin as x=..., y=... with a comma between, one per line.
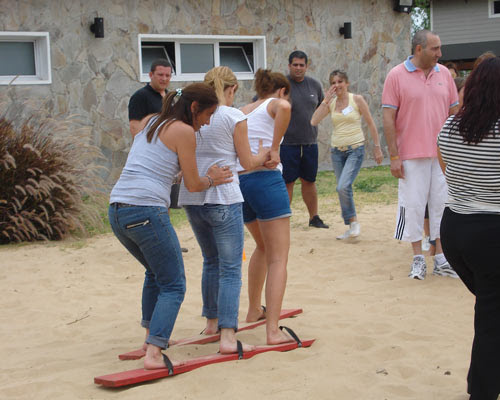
x=403, y=6
x=346, y=30
x=97, y=28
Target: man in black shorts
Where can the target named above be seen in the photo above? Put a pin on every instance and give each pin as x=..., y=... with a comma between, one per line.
x=148, y=100
x=299, y=149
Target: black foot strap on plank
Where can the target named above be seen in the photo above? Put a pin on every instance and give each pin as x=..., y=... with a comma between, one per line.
x=292, y=334
x=168, y=364
x=239, y=346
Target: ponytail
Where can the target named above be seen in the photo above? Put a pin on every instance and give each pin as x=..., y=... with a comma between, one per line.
x=177, y=106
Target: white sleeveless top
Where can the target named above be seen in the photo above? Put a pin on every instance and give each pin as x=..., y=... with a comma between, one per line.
x=149, y=171
x=260, y=127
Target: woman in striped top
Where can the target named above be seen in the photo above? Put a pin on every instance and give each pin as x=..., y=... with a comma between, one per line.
x=216, y=215
x=469, y=145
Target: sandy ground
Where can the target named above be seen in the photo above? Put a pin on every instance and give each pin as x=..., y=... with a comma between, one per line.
x=68, y=310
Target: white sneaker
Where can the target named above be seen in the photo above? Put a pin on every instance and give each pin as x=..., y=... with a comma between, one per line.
x=426, y=244
x=345, y=235
x=418, y=268
x=353, y=231
x=444, y=269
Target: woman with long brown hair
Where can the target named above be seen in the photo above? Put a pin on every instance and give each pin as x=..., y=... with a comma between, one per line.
x=266, y=210
x=139, y=201
x=469, y=152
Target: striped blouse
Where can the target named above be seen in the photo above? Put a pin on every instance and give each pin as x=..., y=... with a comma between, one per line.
x=472, y=171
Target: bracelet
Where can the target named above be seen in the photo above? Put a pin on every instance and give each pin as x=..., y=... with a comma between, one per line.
x=210, y=181
x=377, y=145
x=394, y=158
x=323, y=103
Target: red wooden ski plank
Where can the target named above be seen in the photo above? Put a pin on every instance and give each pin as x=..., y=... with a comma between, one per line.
x=142, y=375
x=204, y=339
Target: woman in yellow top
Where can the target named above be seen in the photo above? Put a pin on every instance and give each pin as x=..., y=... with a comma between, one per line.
x=348, y=142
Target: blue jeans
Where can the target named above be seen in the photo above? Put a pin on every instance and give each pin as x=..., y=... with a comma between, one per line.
x=146, y=232
x=219, y=231
x=346, y=165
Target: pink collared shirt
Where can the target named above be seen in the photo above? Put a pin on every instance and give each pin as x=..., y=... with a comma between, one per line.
x=422, y=104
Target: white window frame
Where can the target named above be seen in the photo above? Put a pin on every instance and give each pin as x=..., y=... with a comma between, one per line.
x=490, y=10
x=259, y=53
x=41, y=42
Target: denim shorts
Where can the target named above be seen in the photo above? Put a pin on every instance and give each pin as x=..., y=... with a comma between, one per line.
x=265, y=194
x=299, y=161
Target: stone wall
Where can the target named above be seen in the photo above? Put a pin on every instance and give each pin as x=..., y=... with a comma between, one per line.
x=95, y=78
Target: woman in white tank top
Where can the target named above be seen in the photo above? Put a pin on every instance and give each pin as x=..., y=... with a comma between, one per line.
x=266, y=210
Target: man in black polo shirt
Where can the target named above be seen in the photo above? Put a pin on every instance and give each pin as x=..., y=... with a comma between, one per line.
x=148, y=100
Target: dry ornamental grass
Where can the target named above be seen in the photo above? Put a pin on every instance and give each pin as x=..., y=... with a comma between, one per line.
x=46, y=170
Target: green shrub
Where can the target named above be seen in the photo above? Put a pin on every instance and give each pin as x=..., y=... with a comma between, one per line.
x=46, y=169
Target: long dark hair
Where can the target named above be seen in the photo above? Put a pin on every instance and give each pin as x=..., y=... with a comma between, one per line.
x=177, y=105
x=481, y=109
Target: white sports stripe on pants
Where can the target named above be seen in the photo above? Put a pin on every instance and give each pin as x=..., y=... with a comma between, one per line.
x=424, y=184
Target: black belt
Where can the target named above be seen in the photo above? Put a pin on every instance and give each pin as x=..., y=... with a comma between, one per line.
x=123, y=205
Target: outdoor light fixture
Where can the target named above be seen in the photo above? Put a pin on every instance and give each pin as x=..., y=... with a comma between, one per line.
x=97, y=28
x=403, y=6
x=346, y=30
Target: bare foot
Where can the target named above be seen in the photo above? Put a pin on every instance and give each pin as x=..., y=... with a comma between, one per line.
x=278, y=337
x=256, y=314
x=231, y=348
x=154, y=358
x=212, y=327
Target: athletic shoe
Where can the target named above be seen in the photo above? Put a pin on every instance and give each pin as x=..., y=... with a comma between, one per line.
x=426, y=244
x=418, y=268
x=355, y=229
x=444, y=269
x=345, y=235
x=317, y=222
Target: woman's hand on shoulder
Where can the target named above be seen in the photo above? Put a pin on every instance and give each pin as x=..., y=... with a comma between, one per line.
x=219, y=175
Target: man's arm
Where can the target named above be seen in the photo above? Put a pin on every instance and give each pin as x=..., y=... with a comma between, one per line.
x=136, y=113
x=135, y=126
x=389, y=120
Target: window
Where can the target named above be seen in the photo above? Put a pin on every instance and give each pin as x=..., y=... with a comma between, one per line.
x=25, y=58
x=494, y=9
x=192, y=56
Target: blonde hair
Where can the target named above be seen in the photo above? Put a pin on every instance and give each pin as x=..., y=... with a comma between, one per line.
x=220, y=78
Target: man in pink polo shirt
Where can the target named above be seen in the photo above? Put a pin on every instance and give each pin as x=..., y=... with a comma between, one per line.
x=419, y=95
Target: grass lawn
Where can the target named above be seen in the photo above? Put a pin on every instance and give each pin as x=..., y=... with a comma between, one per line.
x=373, y=185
